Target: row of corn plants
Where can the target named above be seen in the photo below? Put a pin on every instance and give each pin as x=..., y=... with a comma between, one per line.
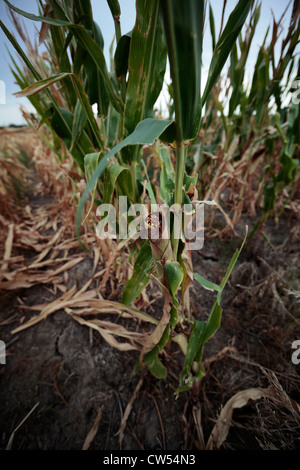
x=110, y=149
x=254, y=120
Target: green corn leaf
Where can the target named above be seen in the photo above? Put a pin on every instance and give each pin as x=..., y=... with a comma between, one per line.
x=166, y=158
x=149, y=188
x=39, y=105
x=158, y=68
x=47, y=115
x=114, y=7
x=30, y=16
x=146, y=64
x=97, y=55
x=238, y=64
x=87, y=41
x=166, y=185
x=116, y=175
x=82, y=13
x=42, y=84
x=194, y=348
x=290, y=165
x=156, y=367
x=79, y=122
x=183, y=24
x=90, y=164
x=207, y=284
x=79, y=59
x=212, y=27
x=188, y=180
x=63, y=127
x=63, y=61
x=212, y=324
x=224, y=45
x=143, y=267
x=167, y=175
x=233, y=261
x=95, y=87
x=203, y=331
x=91, y=161
x=152, y=360
x=214, y=319
x=111, y=124
x=62, y=123
x=122, y=55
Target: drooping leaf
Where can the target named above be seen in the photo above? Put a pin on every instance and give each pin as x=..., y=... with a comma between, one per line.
x=114, y=7
x=143, y=267
x=224, y=45
x=115, y=173
x=167, y=175
x=207, y=284
x=42, y=84
x=156, y=367
x=88, y=42
x=152, y=360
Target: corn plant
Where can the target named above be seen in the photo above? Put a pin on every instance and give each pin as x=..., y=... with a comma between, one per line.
x=250, y=126
x=110, y=149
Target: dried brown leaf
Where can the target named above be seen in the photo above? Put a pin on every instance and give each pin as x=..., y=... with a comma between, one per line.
x=154, y=338
x=240, y=399
x=93, y=431
x=8, y=246
x=128, y=411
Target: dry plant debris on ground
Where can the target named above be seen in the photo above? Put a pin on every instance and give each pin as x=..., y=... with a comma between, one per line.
x=69, y=380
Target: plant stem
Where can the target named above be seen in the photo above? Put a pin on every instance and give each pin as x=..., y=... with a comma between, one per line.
x=133, y=177
x=179, y=174
x=134, y=163
x=117, y=29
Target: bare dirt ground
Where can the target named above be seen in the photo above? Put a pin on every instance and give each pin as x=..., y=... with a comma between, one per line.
x=69, y=378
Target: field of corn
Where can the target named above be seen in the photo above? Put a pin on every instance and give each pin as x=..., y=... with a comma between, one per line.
x=123, y=342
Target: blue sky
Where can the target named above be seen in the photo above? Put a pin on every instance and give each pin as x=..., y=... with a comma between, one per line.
x=10, y=113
